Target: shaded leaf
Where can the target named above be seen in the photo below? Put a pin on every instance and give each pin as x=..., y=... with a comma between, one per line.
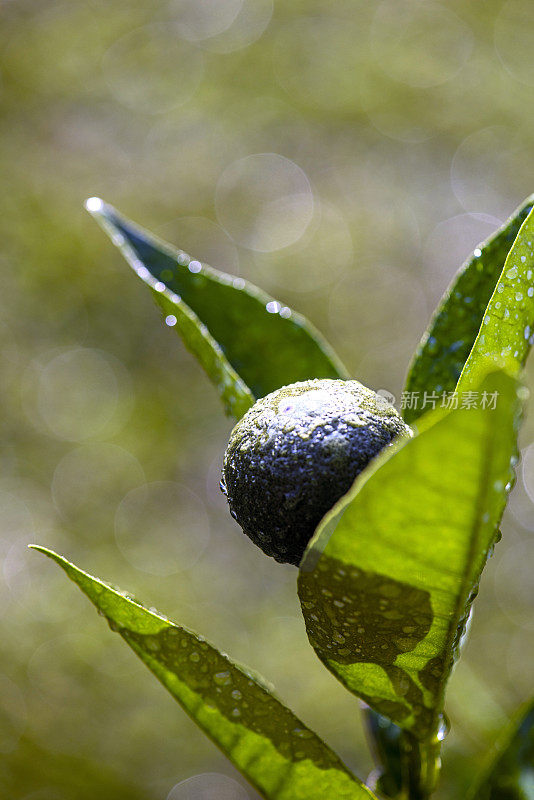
x=266, y=343
x=273, y=749
x=234, y=393
x=510, y=771
x=507, y=329
x=388, y=576
x=445, y=347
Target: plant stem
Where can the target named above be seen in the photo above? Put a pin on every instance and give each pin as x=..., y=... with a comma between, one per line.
x=408, y=767
x=420, y=766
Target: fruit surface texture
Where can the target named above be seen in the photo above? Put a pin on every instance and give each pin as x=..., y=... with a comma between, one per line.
x=296, y=452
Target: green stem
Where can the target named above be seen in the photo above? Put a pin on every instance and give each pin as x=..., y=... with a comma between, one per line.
x=409, y=768
x=421, y=765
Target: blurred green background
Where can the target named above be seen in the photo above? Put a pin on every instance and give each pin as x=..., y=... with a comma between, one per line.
x=347, y=156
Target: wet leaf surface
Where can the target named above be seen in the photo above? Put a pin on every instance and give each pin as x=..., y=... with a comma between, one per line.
x=272, y=748
x=266, y=343
x=507, y=331
x=446, y=345
x=386, y=583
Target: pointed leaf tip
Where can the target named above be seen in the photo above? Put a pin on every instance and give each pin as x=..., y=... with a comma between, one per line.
x=94, y=205
x=272, y=747
x=259, y=343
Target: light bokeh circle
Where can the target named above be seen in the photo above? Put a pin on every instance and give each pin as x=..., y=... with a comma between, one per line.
x=94, y=477
x=77, y=394
x=514, y=586
x=264, y=202
x=250, y=23
x=152, y=70
x=419, y=44
x=162, y=528
x=196, y=20
x=514, y=39
x=208, y=786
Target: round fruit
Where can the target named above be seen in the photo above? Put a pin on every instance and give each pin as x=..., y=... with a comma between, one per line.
x=296, y=452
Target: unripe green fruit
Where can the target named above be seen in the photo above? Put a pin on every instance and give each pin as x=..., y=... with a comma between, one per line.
x=296, y=452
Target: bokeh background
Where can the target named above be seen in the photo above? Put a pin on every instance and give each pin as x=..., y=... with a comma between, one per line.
x=347, y=156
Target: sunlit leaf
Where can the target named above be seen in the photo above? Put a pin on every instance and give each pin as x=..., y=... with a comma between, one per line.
x=266, y=343
x=507, y=329
x=509, y=774
x=386, y=580
x=272, y=748
x=445, y=347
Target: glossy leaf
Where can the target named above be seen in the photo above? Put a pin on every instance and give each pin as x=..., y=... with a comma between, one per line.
x=387, y=578
x=266, y=343
x=234, y=393
x=507, y=330
x=273, y=749
x=445, y=347
x=510, y=771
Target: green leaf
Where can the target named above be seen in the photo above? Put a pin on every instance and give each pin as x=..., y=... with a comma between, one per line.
x=234, y=393
x=507, y=329
x=266, y=343
x=509, y=774
x=273, y=749
x=387, y=578
x=445, y=347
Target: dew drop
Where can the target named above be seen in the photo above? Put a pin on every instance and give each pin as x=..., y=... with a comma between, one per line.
x=222, y=678
x=443, y=728
x=477, y=252
x=194, y=266
x=511, y=273
x=302, y=733
x=273, y=307
x=170, y=320
x=159, y=286
x=94, y=205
